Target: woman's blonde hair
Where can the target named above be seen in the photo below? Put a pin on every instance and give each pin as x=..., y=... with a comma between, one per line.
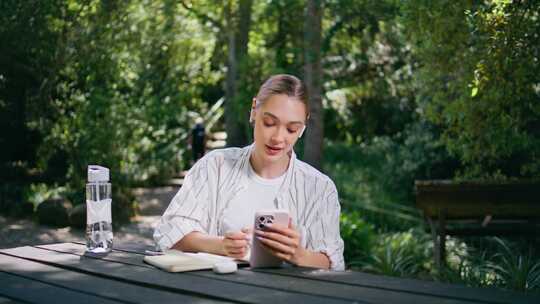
x=283, y=84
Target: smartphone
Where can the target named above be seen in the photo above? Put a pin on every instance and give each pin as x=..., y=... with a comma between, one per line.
x=260, y=257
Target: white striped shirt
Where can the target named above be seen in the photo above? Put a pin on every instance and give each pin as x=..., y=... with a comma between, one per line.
x=310, y=196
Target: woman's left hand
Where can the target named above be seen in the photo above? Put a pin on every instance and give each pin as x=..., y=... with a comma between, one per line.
x=283, y=242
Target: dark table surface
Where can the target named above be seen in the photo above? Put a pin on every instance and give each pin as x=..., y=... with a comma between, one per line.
x=61, y=273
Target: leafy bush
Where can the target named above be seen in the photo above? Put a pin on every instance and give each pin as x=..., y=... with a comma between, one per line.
x=377, y=178
x=392, y=263
x=103, y=83
x=348, y=166
x=478, y=79
x=464, y=265
x=503, y=265
x=21, y=200
x=400, y=254
x=414, y=153
x=357, y=235
x=515, y=271
x=37, y=193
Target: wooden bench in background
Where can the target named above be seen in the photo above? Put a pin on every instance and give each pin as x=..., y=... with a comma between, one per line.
x=478, y=209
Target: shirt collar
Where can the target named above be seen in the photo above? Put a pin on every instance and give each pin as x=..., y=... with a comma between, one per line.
x=288, y=175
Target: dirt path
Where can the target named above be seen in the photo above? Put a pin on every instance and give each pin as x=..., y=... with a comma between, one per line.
x=152, y=203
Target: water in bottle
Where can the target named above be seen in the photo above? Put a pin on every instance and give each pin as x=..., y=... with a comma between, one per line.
x=99, y=235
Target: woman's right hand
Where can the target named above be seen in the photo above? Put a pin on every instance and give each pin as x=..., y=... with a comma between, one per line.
x=236, y=243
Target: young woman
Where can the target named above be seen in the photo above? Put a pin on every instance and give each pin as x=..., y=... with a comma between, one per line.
x=213, y=211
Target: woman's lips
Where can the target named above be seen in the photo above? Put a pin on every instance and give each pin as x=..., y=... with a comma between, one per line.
x=272, y=150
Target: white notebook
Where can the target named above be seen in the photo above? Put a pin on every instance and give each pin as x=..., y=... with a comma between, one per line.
x=178, y=261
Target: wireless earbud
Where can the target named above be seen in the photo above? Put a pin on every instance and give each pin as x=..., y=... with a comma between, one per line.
x=251, y=116
x=302, y=132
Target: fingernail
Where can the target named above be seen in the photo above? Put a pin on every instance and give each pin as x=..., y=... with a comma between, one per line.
x=260, y=232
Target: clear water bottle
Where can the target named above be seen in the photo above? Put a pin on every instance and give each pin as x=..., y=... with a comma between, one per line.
x=99, y=235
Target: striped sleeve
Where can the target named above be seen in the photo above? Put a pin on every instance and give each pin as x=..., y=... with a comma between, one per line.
x=323, y=234
x=188, y=210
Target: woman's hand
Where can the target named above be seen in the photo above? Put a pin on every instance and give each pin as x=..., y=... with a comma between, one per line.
x=283, y=242
x=236, y=243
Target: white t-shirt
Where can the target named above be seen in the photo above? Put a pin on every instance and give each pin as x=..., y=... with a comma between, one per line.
x=259, y=194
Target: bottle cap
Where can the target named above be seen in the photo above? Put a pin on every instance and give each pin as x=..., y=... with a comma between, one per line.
x=98, y=174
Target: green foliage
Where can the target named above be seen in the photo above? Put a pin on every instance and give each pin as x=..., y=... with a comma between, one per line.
x=375, y=187
x=349, y=169
x=415, y=153
x=377, y=177
x=370, y=75
x=37, y=193
x=410, y=254
x=469, y=269
x=479, y=80
x=357, y=235
x=27, y=58
x=128, y=106
x=400, y=254
x=112, y=83
x=515, y=271
x=504, y=265
x=392, y=263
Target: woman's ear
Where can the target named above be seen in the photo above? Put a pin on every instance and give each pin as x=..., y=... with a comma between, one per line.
x=302, y=131
x=253, y=112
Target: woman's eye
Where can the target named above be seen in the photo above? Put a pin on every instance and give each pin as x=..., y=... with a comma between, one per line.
x=292, y=131
x=268, y=124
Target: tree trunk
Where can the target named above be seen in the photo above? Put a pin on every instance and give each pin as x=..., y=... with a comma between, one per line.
x=313, y=147
x=239, y=23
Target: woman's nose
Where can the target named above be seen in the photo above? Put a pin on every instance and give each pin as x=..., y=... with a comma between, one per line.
x=279, y=135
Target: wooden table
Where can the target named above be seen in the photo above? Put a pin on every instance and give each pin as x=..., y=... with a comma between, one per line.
x=60, y=273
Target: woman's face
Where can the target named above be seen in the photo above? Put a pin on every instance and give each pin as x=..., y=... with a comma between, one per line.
x=278, y=123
